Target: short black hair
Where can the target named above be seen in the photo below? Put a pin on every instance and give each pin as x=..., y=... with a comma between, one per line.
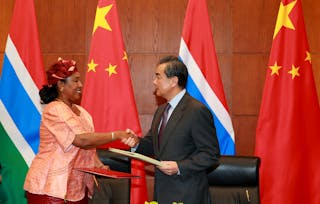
x=48, y=93
x=175, y=67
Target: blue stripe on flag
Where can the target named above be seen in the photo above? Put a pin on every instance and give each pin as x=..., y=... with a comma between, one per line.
x=225, y=141
x=23, y=112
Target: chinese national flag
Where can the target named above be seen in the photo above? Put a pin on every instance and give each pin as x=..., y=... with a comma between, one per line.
x=287, y=140
x=108, y=93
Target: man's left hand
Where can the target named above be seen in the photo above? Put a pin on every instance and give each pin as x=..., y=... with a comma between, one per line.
x=169, y=167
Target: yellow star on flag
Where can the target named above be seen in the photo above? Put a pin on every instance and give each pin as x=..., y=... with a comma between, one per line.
x=92, y=66
x=125, y=56
x=275, y=69
x=294, y=71
x=111, y=69
x=100, y=19
x=283, y=18
x=308, y=57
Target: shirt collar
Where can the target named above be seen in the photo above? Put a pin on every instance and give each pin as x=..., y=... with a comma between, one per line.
x=174, y=102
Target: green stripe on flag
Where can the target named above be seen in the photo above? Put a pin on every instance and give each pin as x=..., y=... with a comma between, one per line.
x=13, y=171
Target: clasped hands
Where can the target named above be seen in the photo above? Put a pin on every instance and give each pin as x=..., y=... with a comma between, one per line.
x=167, y=167
x=130, y=138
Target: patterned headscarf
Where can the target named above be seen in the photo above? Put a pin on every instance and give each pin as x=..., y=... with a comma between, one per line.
x=61, y=70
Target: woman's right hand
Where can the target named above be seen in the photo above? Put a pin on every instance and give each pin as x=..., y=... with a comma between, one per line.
x=119, y=135
x=128, y=137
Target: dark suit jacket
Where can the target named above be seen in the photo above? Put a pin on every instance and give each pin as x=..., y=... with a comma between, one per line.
x=189, y=139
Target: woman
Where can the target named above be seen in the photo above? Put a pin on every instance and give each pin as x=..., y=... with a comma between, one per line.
x=67, y=142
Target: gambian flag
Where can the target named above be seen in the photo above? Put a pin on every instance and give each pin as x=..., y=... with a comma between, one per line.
x=197, y=51
x=20, y=109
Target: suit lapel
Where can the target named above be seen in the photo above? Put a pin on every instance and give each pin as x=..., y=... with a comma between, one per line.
x=172, y=122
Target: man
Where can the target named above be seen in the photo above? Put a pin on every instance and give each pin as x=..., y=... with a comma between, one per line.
x=187, y=147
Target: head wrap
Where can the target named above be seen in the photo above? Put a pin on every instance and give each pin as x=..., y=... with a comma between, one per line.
x=61, y=70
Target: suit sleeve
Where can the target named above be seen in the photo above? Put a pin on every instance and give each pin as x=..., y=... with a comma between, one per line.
x=207, y=150
x=146, y=145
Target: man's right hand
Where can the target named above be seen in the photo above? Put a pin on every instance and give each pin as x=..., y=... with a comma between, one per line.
x=131, y=141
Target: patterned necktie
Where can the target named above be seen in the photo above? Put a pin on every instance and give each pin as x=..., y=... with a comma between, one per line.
x=164, y=121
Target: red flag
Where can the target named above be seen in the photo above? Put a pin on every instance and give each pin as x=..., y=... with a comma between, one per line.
x=287, y=138
x=108, y=93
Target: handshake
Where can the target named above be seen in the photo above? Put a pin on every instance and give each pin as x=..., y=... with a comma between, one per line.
x=127, y=137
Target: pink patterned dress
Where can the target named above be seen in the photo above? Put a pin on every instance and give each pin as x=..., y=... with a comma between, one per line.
x=52, y=171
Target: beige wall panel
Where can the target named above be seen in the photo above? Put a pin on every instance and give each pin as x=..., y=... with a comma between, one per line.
x=248, y=76
x=6, y=9
x=316, y=71
x=311, y=13
x=221, y=24
x=139, y=23
x=312, y=19
x=245, y=131
x=90, y=13
x=253, y=23
x=142, y=75
x=145, y=122
x=61, y=25
x=170, y=26
x=1, y=62
x=225, y=67
x=152, y=26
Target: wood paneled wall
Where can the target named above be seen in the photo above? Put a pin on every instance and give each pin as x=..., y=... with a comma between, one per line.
x=151, y=29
